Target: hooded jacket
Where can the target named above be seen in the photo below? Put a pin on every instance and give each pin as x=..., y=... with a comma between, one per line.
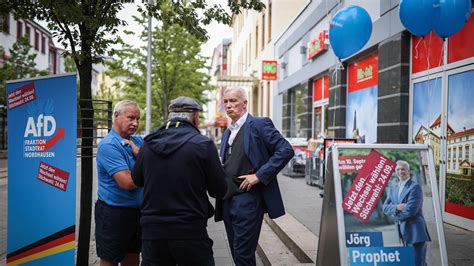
x=177, y=166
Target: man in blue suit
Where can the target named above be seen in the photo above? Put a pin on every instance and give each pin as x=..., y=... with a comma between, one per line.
x=253, y=152
x=404, y=203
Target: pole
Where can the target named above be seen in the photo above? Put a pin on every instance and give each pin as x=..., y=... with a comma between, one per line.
x=148, y=78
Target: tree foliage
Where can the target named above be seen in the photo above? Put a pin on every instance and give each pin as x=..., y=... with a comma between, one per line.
x=178, y=69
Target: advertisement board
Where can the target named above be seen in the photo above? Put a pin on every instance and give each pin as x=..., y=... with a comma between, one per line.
x=384, y=209
x=362, y=93
x=42, y=170
x=269, y=70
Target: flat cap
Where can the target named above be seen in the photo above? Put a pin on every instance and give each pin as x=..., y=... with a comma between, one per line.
x=184, y=104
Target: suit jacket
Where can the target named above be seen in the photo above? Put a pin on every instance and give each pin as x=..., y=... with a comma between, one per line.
x=412, y=223
x=268, y=152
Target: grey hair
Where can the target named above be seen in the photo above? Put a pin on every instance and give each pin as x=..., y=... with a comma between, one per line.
x=241, y=91
x=405, y=163
x=120, y=106
x=185, y=115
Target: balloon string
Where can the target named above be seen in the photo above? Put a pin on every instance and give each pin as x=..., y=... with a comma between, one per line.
x=416, y=47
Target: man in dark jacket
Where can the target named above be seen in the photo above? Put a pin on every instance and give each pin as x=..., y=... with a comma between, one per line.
x=177, y=166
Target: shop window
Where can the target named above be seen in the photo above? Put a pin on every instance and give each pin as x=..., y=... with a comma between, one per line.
x=317, y=122
x=317, y=89
x=321, y=88
x=361, y=120
x=460, y=45
x=426, y=52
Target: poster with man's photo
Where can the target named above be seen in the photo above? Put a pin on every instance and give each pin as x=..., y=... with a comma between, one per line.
x=390, y=209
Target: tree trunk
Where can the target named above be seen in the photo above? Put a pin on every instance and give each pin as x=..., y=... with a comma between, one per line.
x=87, y=116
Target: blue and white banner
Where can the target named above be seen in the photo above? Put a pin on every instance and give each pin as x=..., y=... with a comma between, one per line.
x=42, y=133
x=382, y=256
x=364, y=239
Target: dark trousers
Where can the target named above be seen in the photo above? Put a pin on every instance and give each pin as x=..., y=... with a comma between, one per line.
x=177, y=252
x=420, y=253
x=243, y=216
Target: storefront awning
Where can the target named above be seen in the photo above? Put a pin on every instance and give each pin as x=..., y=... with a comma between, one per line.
x=236, y=81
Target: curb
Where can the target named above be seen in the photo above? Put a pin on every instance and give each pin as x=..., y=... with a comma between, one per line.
x=299, y=239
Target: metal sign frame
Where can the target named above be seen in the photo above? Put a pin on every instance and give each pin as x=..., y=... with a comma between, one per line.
x=338, y=193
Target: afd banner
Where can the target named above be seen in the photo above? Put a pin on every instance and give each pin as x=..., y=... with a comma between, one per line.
x=42, y=115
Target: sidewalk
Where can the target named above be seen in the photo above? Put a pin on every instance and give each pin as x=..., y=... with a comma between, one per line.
x=304, y=204
x=216, y=231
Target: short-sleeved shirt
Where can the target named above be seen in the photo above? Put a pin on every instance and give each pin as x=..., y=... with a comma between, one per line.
x=115, y=154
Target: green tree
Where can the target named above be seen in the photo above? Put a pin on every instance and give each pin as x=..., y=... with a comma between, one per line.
x=178, y=69
x=19, y=64
x=87, y=29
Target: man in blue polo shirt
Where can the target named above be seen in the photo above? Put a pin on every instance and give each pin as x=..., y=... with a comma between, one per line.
x=117, y=210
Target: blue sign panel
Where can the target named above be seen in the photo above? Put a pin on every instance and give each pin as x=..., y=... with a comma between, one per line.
x=382, y=256
x=364, y=239
x=42, y=133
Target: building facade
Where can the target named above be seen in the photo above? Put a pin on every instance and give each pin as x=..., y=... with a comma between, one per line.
x=391, y=91
x=254, y=35
x=41, y=40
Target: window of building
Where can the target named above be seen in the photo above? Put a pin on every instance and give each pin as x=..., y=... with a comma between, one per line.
x=28, y=31
x=43, y=44
x=36, y=41
x=5, y=23
x=19, y=29
x=263, y=30
x=466, y=153
x=459, y=153
x=250, y=49
x=269, y=22
x=256, y=41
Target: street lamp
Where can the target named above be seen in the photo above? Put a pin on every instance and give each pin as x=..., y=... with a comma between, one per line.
x=148, y=77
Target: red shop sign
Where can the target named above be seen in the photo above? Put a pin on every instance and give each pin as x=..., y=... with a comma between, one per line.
x=269, y=70
x=318, y=44
x=364, y=73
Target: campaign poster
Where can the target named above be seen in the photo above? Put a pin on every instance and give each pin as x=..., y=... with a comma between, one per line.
x=361, y=116
x=42, y=170
x=388, y=204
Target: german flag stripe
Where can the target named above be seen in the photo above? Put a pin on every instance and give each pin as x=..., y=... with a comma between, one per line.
x=44, y=253
x=49, y=245
x=42, y=242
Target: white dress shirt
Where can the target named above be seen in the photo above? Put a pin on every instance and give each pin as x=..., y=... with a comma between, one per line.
x=234, y=129
x=401, y=185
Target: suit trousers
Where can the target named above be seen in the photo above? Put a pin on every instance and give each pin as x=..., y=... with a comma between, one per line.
x=243, y=216
x=420, y=253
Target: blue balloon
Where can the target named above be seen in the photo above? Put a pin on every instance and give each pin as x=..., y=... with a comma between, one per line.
x=349, y=31
x=450, y=16
x=417, y=15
